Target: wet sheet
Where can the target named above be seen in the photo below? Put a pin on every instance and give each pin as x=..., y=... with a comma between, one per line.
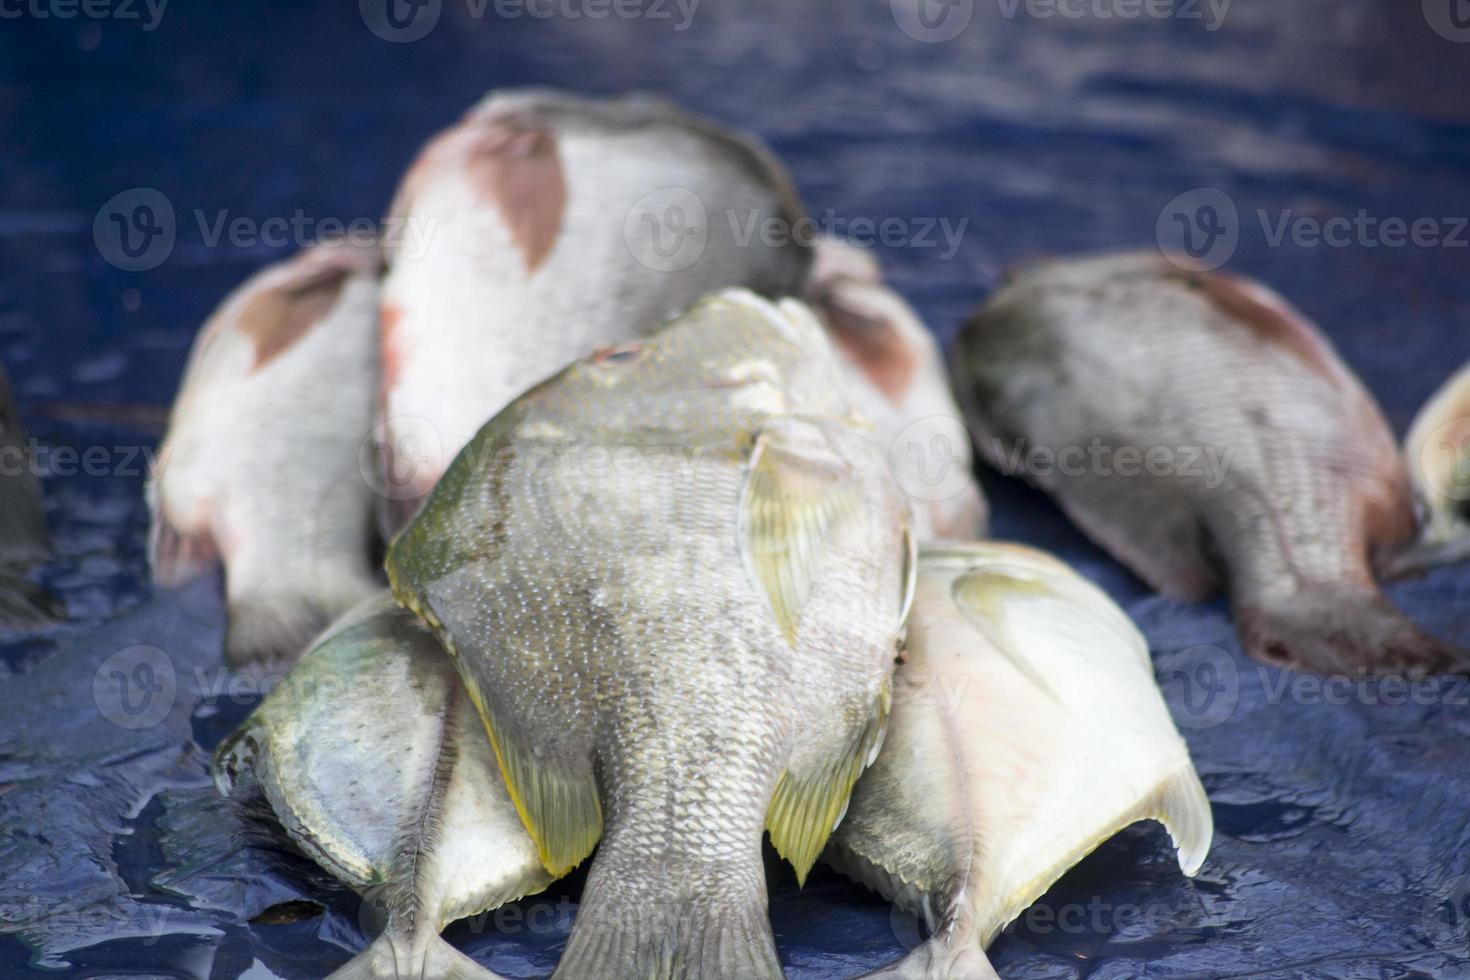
x=1341, y=812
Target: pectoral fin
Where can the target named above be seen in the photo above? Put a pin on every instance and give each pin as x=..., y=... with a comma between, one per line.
x=789, y=509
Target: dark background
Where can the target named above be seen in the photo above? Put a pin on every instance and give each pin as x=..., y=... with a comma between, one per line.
x=1342, y=827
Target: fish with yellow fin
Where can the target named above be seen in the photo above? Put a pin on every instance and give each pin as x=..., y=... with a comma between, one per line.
x=674, y=578
x=376, y=764
x=1027, y=729
x=1437, y=451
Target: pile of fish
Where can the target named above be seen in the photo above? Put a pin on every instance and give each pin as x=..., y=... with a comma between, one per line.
x=583, y=529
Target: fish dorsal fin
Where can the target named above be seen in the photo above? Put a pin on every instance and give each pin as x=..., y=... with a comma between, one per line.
x=790, y=507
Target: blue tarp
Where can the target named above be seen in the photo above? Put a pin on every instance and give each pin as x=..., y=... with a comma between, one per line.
x=1023, y=127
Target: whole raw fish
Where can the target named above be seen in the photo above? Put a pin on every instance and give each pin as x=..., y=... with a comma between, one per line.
x=1200, y=428
x=261, y=464
x=1027, y=729
x=896, y=377
x=375, y=761
x=674, y=577
x=24, y=538
x=1437, y=451
x=545, y=225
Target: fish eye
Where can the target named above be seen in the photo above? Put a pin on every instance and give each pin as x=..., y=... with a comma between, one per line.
x=623, y=354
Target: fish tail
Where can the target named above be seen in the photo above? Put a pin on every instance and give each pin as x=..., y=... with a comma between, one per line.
x=389, y=958
x=1343, y=630
x=659, y=919
x=940, y=959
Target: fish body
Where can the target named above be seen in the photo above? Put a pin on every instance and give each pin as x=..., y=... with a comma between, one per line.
x=1437, y=450
x=673, y=578
x=1027, y=729
x=896, y=378
x=260, y=467
x=24, y=538
x=543, y=226
x=1202, y=430
x=375, y=762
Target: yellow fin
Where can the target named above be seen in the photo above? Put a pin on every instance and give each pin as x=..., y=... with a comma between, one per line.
x=981, y=596
x=560, y=809
x=807, y=806
x=789, y=507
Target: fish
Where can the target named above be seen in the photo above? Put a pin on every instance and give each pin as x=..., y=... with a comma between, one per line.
x=375, y=763
x=25, y=540
x=1437, y=451
x=1027, y=729
x=543, y=226
x=674, y=578
x=896, y=377
x=262, y=468
x=1201, y=429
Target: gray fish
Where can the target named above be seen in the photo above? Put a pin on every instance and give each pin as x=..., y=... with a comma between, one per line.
x=24, y=538
x=1027, y=729
x=1201, y=429
x=896, y=378
x=1437, y=450
x=375, y=762
x=543, y=226
x=261, y=465
x=673, y=578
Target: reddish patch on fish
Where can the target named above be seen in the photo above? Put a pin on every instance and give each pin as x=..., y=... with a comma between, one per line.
x=276, y=318
x=392, y=347
x=515, y=165
x=874, y=343
x=1267, y=317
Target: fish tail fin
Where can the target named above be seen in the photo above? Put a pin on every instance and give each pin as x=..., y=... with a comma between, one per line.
x=671, y=921
x=389, y=958
x=24, y=605
x=938, y=959
x=1344, y=630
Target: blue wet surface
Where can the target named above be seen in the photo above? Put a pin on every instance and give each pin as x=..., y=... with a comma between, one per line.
x=1343, y=816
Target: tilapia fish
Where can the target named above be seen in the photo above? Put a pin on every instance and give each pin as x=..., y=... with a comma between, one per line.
x=673, y=578
x=261, y=465
x=24, y=539
x=1437, y=451
x=1201, y=429
x=375, y=761
x=543, y=226
x=896, y=377
x=1026, y=730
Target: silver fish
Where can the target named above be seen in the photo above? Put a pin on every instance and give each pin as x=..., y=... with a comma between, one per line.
x=543, y=226
x=261, y=465
x=376, y=764
x=1026, y=730
x=1201, y=429
x=24, y=538
x=1437, y=451
x=896, y=377
x=673, y=578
